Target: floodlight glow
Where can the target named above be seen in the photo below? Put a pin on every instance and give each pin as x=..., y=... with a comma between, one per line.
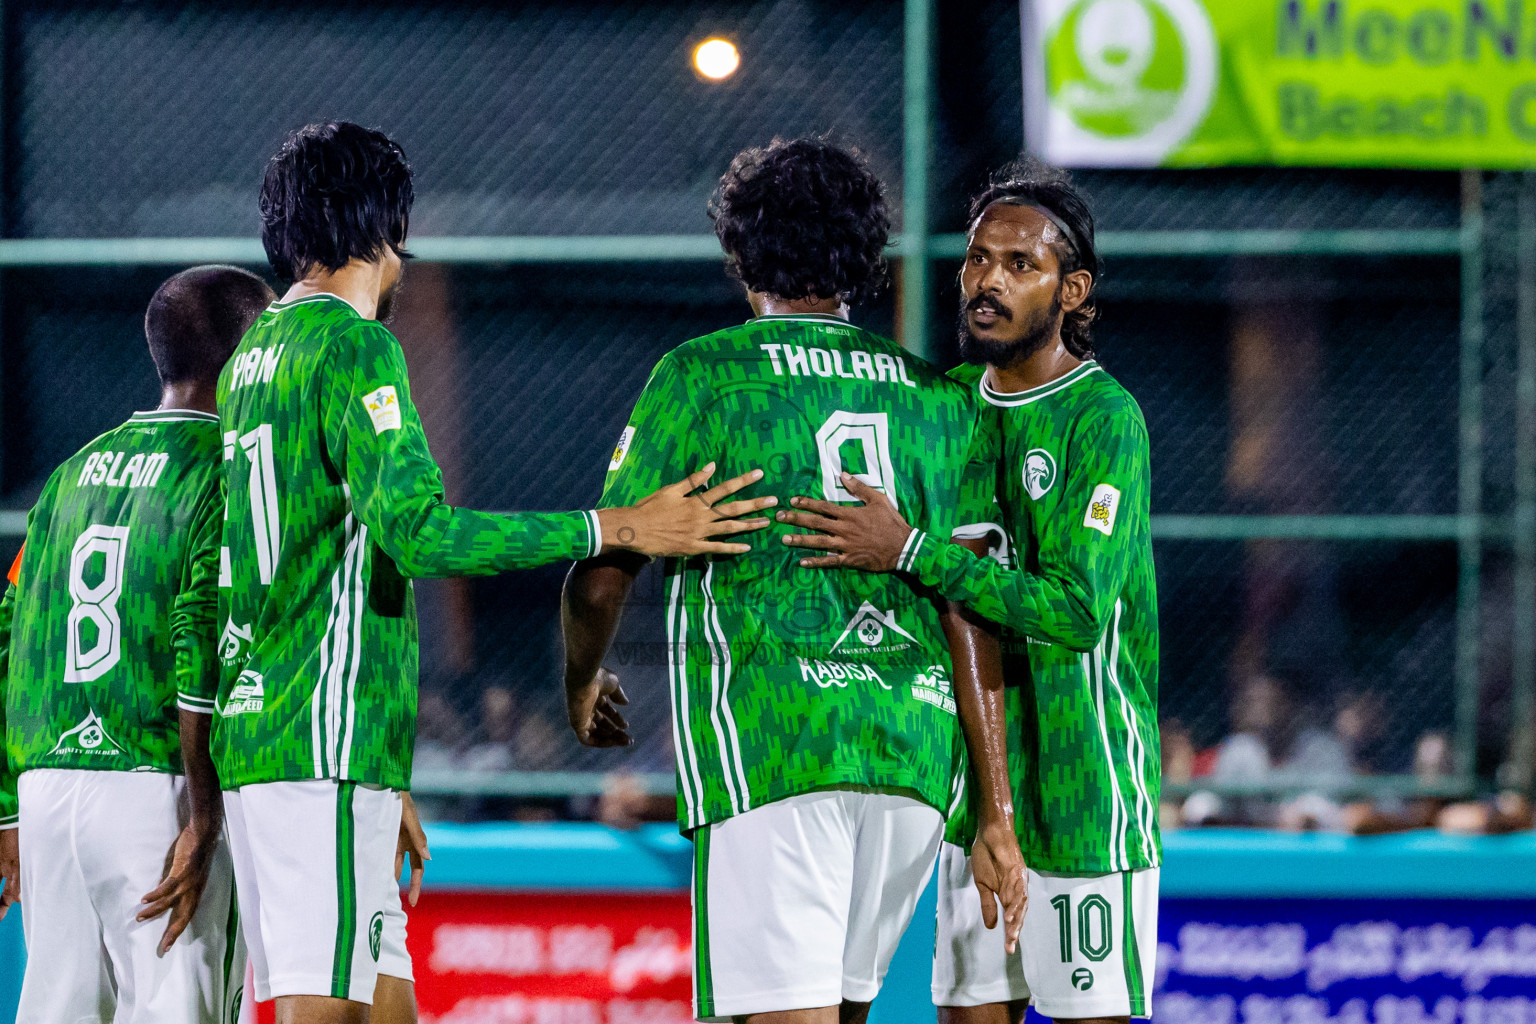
x=716, y=59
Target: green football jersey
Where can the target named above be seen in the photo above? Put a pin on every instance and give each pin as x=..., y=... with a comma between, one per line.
x=110, y=623
x=1073, y=586
x=787, y=680
x=334, y=504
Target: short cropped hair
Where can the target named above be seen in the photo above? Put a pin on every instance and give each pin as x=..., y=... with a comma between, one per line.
x=334, y=193
x=196, y=319
x=1032, y=182
x=803, y=218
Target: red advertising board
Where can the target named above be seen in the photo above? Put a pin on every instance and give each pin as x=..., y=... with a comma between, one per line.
x=550, y=958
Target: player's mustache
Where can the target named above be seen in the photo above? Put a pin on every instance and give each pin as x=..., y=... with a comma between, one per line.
x=989, y=302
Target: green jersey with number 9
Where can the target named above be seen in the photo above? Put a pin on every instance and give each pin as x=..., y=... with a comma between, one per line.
x=108, y=624
x=787, y=680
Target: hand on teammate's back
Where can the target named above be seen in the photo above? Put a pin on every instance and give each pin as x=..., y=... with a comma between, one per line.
x=186, y=873
x=412, y=841
x=10, y=869
x=868, y=536
x=594, y=714
x=675, y=522
x=997, y=864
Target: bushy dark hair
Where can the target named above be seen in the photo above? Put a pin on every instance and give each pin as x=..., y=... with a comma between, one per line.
x=802, y=218
x=196, y=319
x=1032, y=182
x=334, y=193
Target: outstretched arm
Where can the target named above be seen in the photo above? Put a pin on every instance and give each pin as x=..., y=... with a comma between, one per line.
x=590, y=606
x=373, y=431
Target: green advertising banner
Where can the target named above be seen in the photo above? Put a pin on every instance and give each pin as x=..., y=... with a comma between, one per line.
x=1378, y=83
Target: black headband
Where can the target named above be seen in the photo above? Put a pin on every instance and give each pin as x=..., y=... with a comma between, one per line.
x=1061, y=225
x=1048, y=214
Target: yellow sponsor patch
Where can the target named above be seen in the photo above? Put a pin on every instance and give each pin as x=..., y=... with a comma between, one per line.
x=1102, y=508
x=621, y=449
x=383, y=409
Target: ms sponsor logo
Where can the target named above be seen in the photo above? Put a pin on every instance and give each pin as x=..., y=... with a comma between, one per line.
x=247, y=696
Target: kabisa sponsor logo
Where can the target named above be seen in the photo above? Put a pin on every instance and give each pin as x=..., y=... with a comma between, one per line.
x=88, y=739
x=868, y=631
x=931, y=686
x=1127, y=80
x=246, y=697
x=827, y=674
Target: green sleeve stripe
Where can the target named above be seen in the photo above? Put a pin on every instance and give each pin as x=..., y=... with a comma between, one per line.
x=594, y=534
x=346, y=894
x=9, y=821
x=1132, y=952
x=201, y=705
x=907, y=560
x=704, y=981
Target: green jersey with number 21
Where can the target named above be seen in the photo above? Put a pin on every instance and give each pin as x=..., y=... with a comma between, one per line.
x=786, y=680
x=334, y=504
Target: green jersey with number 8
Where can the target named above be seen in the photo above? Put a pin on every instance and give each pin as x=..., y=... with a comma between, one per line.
x=109, y=623
x=786, y=680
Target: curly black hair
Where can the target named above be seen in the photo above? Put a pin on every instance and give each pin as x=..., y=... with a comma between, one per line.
x=333, y=193
x=197, y=317
x=803, y=218
x=1032, y=182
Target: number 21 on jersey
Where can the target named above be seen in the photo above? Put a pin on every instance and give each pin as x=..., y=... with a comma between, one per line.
x=257, y=445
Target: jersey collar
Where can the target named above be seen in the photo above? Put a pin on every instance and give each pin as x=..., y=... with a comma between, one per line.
x=172, y=416
x=281, y=305
x=810, y=318
x=1016, y=398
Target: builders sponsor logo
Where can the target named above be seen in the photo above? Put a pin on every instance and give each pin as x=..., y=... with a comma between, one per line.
x=872, y=631
x=88, y=739
x=232, y=640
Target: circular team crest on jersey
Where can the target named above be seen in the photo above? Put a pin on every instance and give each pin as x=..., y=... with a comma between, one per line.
x=1039, y=473
x=376, y=934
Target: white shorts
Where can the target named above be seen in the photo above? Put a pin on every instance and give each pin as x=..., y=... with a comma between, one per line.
x=1087, y=949
x=314, y=872
x=801, y=903
x=93, y=843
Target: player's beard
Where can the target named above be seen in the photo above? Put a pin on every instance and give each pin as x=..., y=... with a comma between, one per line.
x=1038, y=332
x=386, y=310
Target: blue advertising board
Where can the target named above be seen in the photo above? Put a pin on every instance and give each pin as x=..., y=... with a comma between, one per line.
x=1360, y=961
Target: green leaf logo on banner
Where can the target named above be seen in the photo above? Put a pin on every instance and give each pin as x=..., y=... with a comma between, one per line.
x=1127, y=80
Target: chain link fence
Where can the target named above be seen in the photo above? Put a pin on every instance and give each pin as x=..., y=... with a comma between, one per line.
x=1280, y=385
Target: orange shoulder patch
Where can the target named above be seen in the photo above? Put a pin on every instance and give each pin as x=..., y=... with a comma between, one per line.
x=16, y=566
